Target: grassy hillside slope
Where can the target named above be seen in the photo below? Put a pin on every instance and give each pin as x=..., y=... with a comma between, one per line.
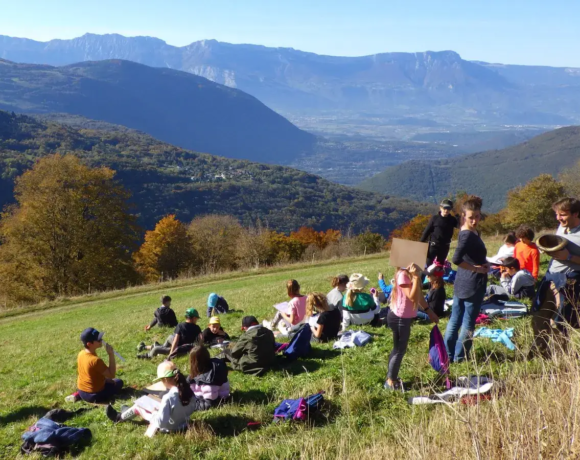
x=488, y=174
x=173, y=106
x=166, y=179
x=361, y=420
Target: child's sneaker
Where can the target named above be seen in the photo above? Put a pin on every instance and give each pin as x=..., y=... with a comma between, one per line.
x=73, y=397
x=141, y=346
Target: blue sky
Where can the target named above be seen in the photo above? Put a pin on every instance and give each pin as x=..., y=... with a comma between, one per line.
x=508, y=31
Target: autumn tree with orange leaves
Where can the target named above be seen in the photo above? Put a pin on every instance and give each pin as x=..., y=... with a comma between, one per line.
x=166, y=252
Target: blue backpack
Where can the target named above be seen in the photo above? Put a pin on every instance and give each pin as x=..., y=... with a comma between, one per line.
x=298, y=409
x=299, y=346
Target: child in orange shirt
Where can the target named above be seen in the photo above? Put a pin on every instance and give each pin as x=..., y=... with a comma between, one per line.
x=526, y=251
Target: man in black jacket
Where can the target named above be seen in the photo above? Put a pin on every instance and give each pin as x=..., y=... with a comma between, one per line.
x=439, y=233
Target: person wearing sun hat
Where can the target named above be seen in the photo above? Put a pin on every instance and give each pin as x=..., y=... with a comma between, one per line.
x=185, y=336
x=216, y=305
x=439, y=232
x=175, y=408
x=358, y=307
x=214, y=333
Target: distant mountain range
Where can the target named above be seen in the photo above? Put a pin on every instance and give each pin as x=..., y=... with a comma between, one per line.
x=439, y=84
x=487, y=174
x=166, y=179
x=173, y=106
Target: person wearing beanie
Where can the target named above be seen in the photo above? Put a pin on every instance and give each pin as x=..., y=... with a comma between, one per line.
x=185, y=336
x=439, y=232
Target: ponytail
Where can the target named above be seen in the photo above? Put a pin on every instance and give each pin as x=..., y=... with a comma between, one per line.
x=338, y=280
x=185, y=392
x=316, y=301
x=350, y=296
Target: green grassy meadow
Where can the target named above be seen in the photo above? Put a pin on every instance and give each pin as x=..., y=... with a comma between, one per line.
x=38, y=369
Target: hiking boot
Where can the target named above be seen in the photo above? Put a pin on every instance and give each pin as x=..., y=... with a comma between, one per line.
x=141, y=346
x=143, y=356
x=73, y=398
x=112, y=414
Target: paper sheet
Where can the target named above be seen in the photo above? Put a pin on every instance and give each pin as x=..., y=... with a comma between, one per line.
x=283, y=307
x=406, y=252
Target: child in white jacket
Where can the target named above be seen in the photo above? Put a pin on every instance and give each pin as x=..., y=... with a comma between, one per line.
x=175, y=409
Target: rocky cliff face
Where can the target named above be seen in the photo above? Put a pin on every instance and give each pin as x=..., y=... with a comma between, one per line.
x=287, y=79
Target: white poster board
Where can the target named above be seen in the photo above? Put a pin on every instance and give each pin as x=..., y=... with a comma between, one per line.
x=406, y=252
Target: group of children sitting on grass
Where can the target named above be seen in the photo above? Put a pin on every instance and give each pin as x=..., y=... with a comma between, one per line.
x=255, y=351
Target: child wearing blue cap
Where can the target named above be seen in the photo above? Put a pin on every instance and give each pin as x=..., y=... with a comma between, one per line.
x=216, y=305
x=96, y=381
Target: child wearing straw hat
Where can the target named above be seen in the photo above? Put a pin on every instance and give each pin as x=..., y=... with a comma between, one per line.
x=358, y=307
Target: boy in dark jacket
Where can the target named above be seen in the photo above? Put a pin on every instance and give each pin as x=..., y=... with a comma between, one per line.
x=164, y=316
x=439, y=232
x=255, y=351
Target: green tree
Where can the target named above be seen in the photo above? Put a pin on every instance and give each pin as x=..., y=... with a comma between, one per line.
x=166, y=252
x=532, y=203
x=70, y=232
x=369, y=242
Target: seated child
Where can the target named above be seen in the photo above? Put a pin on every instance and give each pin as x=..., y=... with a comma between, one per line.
x=185, y=336
x=216, y=305
x=358, y=307
x=96, y=381
x=164, y=316
x=507, y=250
x=436, y=296
x=175, y=409
x=214, y=333
x=328, y=321
x=208, y=377
x=517, y=283
x=527, y=252
x=255, y=351
x=292, y=319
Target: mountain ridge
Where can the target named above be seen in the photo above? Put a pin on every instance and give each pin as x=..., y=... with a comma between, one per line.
x=291, y=80
x=490, y=174
x=174, y=106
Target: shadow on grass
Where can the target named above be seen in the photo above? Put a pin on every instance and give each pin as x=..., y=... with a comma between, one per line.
x=319, y=353
x=227, y=425
x=23, y=413
x=128, y=393
x=251, y=396
x=298, y=367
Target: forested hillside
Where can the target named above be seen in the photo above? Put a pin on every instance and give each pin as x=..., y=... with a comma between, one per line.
x=166, y=179
x=487, y=174
x=173, y=106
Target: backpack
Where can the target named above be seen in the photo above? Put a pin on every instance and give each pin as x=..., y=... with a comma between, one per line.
x=298, y=409
x=299, y=346
x=438, y=357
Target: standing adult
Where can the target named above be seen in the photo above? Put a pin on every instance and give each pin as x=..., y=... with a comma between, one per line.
x=560, y=287
x=470, y=283
x=439, y=232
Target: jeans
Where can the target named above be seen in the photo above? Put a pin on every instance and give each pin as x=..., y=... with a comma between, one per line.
x=112, y=387
x=459, y=332
x=401, y=328
x=422, y=316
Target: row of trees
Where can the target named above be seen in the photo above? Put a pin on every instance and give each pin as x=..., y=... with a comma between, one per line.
x=71, y=231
